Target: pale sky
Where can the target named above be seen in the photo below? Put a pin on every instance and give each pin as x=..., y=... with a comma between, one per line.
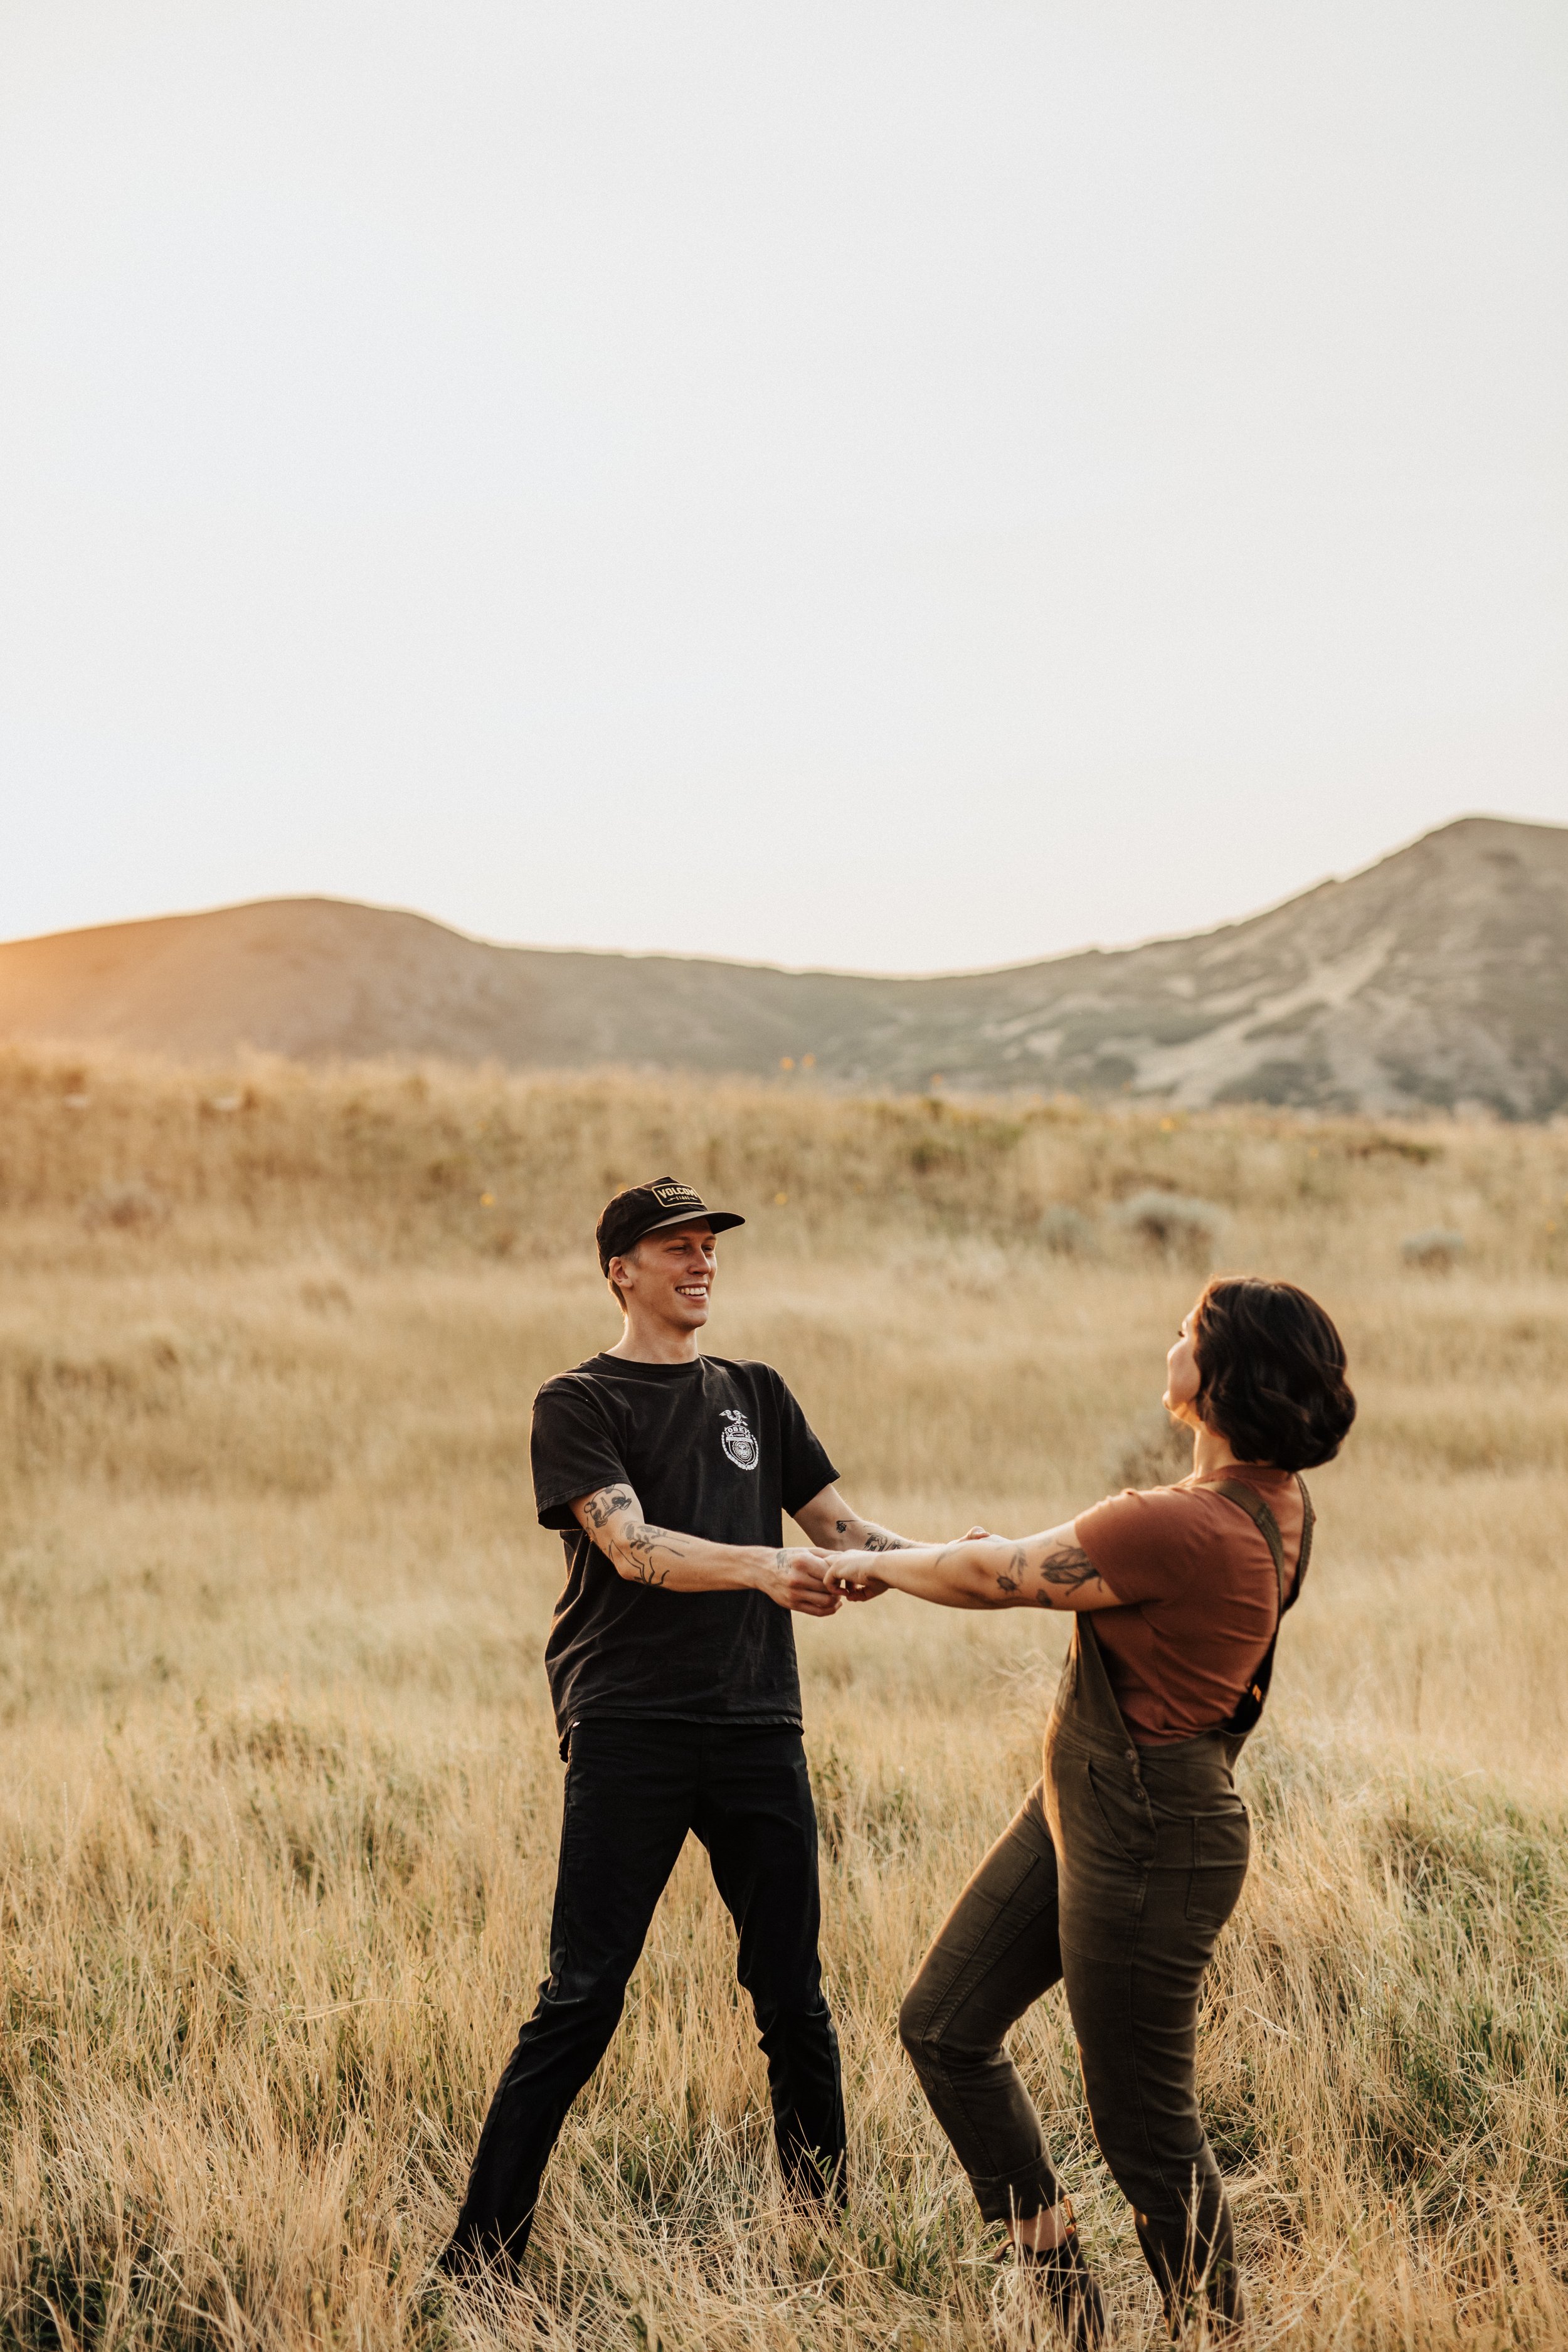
x=884, y=483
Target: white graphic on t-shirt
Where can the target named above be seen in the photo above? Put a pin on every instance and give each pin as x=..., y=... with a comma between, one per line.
x=738, y=1440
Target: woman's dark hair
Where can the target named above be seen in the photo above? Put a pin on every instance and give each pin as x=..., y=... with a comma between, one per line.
x=1272, y=1369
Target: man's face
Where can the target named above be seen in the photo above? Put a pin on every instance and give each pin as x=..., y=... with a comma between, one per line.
x=669, y=1274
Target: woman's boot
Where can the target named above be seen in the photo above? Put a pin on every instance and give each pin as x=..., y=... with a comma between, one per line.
x=1172, y=2255
x=1073, y=2289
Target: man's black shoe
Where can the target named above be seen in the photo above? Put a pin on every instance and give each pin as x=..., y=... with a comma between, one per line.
x=461, y=2259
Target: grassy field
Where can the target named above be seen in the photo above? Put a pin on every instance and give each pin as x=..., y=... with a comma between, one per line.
x=280, y=1795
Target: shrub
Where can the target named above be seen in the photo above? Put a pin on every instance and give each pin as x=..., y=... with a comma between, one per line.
x=1066, y=1231
x=1175, y=1223
x=131, y=1207
x=1437, y=1249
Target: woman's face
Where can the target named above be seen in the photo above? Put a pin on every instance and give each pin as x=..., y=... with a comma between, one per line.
x=1183, y=1380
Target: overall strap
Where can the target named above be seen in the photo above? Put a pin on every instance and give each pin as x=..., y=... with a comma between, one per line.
x=1249, y=1499
x=1309, y=1521
x=1097, y=1718
x=1250, y=1707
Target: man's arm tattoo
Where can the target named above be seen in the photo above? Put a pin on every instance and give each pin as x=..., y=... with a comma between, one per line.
x=602, y=1507
x=855, y=1534
x=639, y=1542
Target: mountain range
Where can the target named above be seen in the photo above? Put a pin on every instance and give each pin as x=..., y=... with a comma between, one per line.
x=1436, y=978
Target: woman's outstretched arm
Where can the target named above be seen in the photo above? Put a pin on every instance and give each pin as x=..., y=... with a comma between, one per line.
x=1045, y=1571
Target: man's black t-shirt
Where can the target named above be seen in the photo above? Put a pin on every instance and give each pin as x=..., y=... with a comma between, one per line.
x=711, y=1448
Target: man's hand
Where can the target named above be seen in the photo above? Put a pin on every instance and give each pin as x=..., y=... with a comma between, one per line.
x=797, y=1578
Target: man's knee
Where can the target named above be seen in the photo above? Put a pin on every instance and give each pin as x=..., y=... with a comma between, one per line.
x=803, y=2023
x=579, y=2001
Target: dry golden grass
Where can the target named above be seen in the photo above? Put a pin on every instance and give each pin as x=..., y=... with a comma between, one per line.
x=281, y=1795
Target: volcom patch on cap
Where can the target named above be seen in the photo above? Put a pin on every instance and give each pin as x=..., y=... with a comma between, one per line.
x=675, y=1196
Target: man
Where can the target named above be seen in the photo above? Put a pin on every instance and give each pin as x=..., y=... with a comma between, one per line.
x=672, y=1669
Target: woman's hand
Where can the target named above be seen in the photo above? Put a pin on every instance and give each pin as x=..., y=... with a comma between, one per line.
x=854, y=1574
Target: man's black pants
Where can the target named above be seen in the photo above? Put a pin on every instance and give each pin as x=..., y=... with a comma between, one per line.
x=634, y=1787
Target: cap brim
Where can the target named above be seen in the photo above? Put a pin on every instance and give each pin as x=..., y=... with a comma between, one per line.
x=721, y=1220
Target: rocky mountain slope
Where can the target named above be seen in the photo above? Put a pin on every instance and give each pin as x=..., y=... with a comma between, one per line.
x=1438, y=977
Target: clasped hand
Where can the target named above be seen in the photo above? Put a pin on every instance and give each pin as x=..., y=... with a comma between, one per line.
x=818, y=1582
x=855, y=1573
x=798, y=1579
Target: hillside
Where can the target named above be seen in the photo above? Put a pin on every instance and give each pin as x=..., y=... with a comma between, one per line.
x=1436, y=978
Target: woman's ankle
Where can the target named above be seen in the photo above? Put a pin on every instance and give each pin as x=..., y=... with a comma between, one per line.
x=1041, y=2232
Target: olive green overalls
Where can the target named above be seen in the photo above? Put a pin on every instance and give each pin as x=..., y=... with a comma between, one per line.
x=1116, y=1875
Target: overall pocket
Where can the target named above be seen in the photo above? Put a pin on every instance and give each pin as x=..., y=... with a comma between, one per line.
x=1124, y=1814
x=1222, y=1848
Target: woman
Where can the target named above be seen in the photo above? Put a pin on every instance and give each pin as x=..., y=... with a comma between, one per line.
x=1129, y=1856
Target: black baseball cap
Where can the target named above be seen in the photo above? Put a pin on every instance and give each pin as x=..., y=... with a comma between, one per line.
x=643, y=1209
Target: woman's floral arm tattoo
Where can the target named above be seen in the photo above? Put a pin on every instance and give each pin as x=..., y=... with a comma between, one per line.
x=1065, y=1567
x=1057, y=1560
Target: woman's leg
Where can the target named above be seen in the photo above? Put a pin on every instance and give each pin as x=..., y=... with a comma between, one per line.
x=994, y=1954
x=1134, y=2002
